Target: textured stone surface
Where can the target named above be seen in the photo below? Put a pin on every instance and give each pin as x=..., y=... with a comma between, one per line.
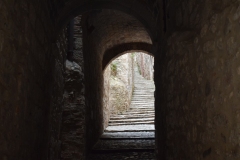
x=73, y=117
x=122, y=156
x=33, y=53
x=118, y=86
x=124, y=144
x=145, y=65
x=106, y=95
x=31, y=81
x=103, y=31
x=196, y=72
x=73, y=136
x=200, y=85
x=119, y=135
x=147, y=12
x=93, y=89
x=130, y=128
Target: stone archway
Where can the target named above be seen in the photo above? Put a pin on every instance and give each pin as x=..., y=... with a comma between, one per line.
x=108, y=33
x=121, y=49
x=140, y=10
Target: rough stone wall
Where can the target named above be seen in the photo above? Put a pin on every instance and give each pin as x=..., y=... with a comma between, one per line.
x=93, y=87
x=103, y=31
x=121, y=84
x=31, y=81
x=78, y=44
x=118, y=86
x=200, y=81
x=125, y=73
x=73, y=124
x=106, y=95
x=145, y=65
x=55, y=90
x=112, y=28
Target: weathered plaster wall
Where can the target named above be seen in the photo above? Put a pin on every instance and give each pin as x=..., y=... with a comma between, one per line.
x=106, y=95
x=31, y=81
x=118, y=86
x=200, y=81
x=125, y=73
x=145, y=64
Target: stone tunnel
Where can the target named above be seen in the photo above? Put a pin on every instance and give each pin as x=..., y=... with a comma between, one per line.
x=51, y=83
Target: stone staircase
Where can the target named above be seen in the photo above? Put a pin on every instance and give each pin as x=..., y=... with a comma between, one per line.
x=130, y=135
x=141, y=111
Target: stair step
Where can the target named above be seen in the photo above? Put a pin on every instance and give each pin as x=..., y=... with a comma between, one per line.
x=132, y=120
x=135, y=105
x=124, y=145
x=144, y=106
x=127, y=118
x=145, y=99
x=143, y=103
x=131, y=117
x=143, y=96
x=127, y=135
x=127, y=128
x=131, y=123
x=137, y=111
x=141, y=109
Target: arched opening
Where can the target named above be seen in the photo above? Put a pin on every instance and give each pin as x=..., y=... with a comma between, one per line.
x=125, y=70
x=197, y=75
x=121, y=49
x=139, y=10
x=100, y=41
x=128, y=107
x=105, y=30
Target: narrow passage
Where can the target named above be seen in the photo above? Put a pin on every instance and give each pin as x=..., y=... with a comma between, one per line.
x=130, y=135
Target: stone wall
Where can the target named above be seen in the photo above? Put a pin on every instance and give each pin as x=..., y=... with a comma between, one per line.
x=200, y=81
x=145, y=65
x=106, y=95
x=31, y=81
x=121, y=97
x=73, y=123
x=102, y=32
x=118, y=86
x=196, y=74
x=78, y=41
x=93, y=87
x=55, y=90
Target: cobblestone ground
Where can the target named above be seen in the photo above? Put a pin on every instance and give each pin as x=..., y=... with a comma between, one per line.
x=122, y=156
